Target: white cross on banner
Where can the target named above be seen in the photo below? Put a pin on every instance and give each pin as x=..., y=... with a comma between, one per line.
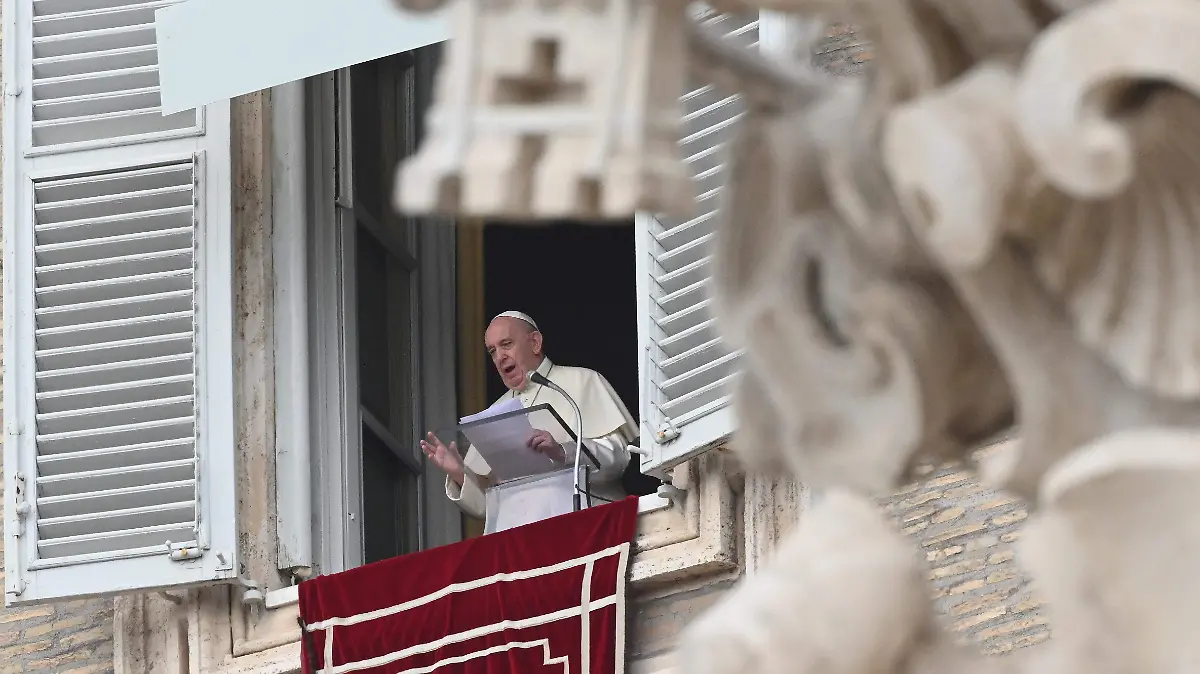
x=545, y=597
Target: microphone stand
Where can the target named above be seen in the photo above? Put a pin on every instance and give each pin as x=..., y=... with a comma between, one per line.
x=580, y=448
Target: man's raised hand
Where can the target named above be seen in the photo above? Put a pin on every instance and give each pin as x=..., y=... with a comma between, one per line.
x=444, y=457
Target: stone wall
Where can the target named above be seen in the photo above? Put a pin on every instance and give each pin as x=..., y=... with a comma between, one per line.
x=658, y=620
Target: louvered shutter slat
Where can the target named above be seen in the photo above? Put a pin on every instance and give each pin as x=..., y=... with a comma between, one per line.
x=52, y=465
x=143, y=541
x=695, y=358
x=89, y=292
x=120, y=303
x=57, y=382
x=118, y=520
x=688, y=276
x=118, y=393
x=118, y=478
x=97, y=502
x=689, y=370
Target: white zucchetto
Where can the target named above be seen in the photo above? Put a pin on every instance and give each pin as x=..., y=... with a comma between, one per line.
x=519, y=316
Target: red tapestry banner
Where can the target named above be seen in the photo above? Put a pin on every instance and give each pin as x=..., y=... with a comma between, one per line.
x=544, y=597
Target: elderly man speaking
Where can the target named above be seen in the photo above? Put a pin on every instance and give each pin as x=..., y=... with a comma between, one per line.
x=515, y=345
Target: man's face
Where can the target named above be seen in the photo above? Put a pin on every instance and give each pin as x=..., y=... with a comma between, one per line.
x=515, y=348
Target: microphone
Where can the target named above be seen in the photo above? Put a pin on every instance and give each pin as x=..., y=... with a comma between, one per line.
x=539, y=378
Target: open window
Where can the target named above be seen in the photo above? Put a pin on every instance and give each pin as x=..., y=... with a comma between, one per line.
x=378, y=308
x=631, y=300
x=577, y=280
x=400, y=306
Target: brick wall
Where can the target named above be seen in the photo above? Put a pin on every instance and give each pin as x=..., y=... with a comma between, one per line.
x=67, y=638
x=967, y=533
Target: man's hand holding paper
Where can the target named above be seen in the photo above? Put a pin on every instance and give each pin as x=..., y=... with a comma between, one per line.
x=542, y=442
x=509, y=444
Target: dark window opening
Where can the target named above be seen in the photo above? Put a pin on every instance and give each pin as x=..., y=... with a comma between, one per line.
x=578, y=282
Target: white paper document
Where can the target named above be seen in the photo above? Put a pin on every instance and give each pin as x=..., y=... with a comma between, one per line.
x=504, y=445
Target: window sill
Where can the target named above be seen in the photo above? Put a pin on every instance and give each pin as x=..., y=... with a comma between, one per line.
x=284, y=597
x=652, y=503
x=693, y=537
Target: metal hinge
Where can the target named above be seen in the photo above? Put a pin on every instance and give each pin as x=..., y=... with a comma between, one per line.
x=20, y=505
x=14, y=584
x=182, y=552
x=667, y=432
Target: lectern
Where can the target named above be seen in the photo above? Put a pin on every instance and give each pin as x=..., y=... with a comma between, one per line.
x=526, y=486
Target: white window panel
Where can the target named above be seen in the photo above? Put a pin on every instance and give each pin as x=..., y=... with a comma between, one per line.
x=94, y=77
x=119, y=449
x=206, y=57
x=687, y=370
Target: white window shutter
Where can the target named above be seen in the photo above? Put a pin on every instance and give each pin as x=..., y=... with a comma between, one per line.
x=686, y=370
x=118, y=374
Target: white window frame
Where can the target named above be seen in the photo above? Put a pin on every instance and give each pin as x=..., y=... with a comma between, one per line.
x=336, y=534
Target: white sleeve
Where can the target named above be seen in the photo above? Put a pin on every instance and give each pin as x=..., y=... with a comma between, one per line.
x=611, y=452
x=469, y=496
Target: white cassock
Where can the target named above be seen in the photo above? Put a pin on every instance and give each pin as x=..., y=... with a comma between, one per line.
x=608, y=429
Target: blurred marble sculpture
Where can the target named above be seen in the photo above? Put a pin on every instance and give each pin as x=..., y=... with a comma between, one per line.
x=529, y=122
x=999, y=226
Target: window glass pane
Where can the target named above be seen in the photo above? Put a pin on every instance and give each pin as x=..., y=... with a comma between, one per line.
x=383, y=129
x=371, y=150
x=382, y=94
x=374, y=336
x=402, y=382
x=389, y=502
x=385, y=326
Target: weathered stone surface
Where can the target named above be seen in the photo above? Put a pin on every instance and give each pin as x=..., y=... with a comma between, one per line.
x=842, y=51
